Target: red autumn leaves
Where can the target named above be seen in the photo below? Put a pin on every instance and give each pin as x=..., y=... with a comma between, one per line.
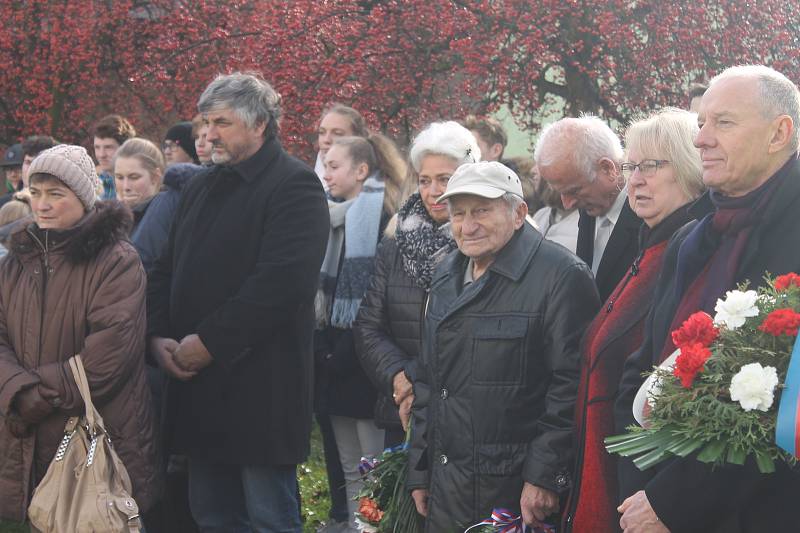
x=402, y=63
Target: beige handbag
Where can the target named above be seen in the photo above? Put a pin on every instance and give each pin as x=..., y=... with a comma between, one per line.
x=86, y=488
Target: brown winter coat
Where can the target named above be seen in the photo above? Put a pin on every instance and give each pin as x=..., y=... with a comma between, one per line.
x=80, y=290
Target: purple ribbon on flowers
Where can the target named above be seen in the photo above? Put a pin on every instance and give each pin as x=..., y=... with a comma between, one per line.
x=505, y=521
x=366, y=465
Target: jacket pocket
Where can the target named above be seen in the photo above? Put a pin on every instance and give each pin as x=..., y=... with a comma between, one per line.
x=498, y=348
x=501, y=459
x=499, y=476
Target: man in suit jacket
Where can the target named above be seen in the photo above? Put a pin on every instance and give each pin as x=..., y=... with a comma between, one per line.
x=580, y=159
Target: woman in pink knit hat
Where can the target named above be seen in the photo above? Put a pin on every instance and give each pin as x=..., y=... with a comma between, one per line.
x=71, y=284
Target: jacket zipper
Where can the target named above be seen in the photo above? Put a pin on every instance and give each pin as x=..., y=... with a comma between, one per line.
x=45, y=268
x=634, y=271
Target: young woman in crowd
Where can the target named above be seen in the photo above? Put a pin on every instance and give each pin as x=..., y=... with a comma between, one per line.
x=138, y=169
x=179, y=144
x=365, y=178
x=664, y=175
x=337, y=120
x=71, y=284
x=388, y=326
x=202, y=147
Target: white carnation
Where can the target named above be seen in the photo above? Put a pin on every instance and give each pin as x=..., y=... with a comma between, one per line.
x=737, y=307
x=363, y=526
x=753, y=386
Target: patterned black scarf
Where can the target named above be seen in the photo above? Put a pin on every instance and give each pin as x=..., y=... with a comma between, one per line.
x=422, y=243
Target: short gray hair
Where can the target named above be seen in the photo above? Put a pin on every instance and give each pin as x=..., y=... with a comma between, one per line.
x=513, y=201
x=449, y=139
x=585, y=140
x=779, y=95
x=248, y=95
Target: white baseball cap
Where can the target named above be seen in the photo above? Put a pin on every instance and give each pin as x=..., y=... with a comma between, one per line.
x=488, y=179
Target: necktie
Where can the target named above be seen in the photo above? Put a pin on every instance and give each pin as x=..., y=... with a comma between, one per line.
x=585, y=246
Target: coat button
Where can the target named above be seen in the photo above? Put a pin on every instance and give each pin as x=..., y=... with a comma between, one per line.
x=444, y=394
x=561, y=480
x=443, y=459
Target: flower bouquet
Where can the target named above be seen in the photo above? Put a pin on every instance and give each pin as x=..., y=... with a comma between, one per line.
x=717, y=394
x=385, y=506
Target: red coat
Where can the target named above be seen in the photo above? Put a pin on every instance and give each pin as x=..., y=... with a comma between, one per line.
x=614, y=334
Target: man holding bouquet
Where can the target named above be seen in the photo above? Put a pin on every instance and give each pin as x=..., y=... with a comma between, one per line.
x=746, y=227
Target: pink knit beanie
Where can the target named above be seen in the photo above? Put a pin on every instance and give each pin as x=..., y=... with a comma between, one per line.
x=73, y=166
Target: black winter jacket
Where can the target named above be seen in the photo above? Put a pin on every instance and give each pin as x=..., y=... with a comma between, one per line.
x=687, y=495
x=501, y=365
x=240, y=269
x=387, y=329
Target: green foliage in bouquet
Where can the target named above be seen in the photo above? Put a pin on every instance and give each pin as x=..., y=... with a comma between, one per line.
x=385, y=505
x=721, y=397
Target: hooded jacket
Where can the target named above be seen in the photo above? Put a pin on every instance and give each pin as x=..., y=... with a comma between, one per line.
x=62, y=293
x=151, y=233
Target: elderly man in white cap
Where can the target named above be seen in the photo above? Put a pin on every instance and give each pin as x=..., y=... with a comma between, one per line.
x=501, y=354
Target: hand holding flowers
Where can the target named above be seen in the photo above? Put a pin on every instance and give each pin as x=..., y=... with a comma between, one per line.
x=719, y=398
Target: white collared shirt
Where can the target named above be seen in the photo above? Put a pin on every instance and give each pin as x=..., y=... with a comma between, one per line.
x=603, y=227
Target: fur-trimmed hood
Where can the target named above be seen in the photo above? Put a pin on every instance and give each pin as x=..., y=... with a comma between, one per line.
x=106, y=224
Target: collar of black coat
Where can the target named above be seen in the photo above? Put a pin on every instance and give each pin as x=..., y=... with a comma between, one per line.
x=107, y=223
x=253, y=168
x=666, y=228
x=785, y=193
x=511, y=262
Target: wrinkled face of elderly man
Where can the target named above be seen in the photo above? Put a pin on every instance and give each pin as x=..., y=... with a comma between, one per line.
x=483, y=226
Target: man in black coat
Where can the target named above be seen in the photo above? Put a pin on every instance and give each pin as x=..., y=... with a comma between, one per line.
x=500, y=354
x=580, y=159
x=746, y=228
x=231, y=315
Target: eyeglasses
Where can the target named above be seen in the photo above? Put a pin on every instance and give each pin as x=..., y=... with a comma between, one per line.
x=168, y=146
x=646, y=168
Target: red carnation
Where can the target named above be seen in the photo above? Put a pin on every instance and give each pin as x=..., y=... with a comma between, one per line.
x=690, y=362
x=787, y=280
x=698, y=328
x=781, y=322
x=368, y=508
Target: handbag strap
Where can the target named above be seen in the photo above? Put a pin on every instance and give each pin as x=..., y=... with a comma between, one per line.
x=92, y=416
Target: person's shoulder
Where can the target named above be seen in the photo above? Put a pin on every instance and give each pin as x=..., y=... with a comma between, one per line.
x=293, y=169
x=557, y=254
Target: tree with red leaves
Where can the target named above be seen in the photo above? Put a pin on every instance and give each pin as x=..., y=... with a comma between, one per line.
x=401, y=62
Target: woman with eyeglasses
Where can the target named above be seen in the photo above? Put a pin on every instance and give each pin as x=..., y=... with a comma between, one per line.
x=664, y=175
x=178, y=145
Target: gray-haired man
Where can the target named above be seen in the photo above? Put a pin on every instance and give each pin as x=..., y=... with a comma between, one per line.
x=500, y=353
x=231, y=315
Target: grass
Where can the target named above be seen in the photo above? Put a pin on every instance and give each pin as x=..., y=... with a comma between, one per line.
x=314, y=494
x=313, y=491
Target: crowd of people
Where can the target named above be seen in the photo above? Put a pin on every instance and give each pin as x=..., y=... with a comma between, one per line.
x=495, y=316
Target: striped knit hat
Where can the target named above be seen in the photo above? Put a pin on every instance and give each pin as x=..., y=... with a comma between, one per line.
x=73, y=166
